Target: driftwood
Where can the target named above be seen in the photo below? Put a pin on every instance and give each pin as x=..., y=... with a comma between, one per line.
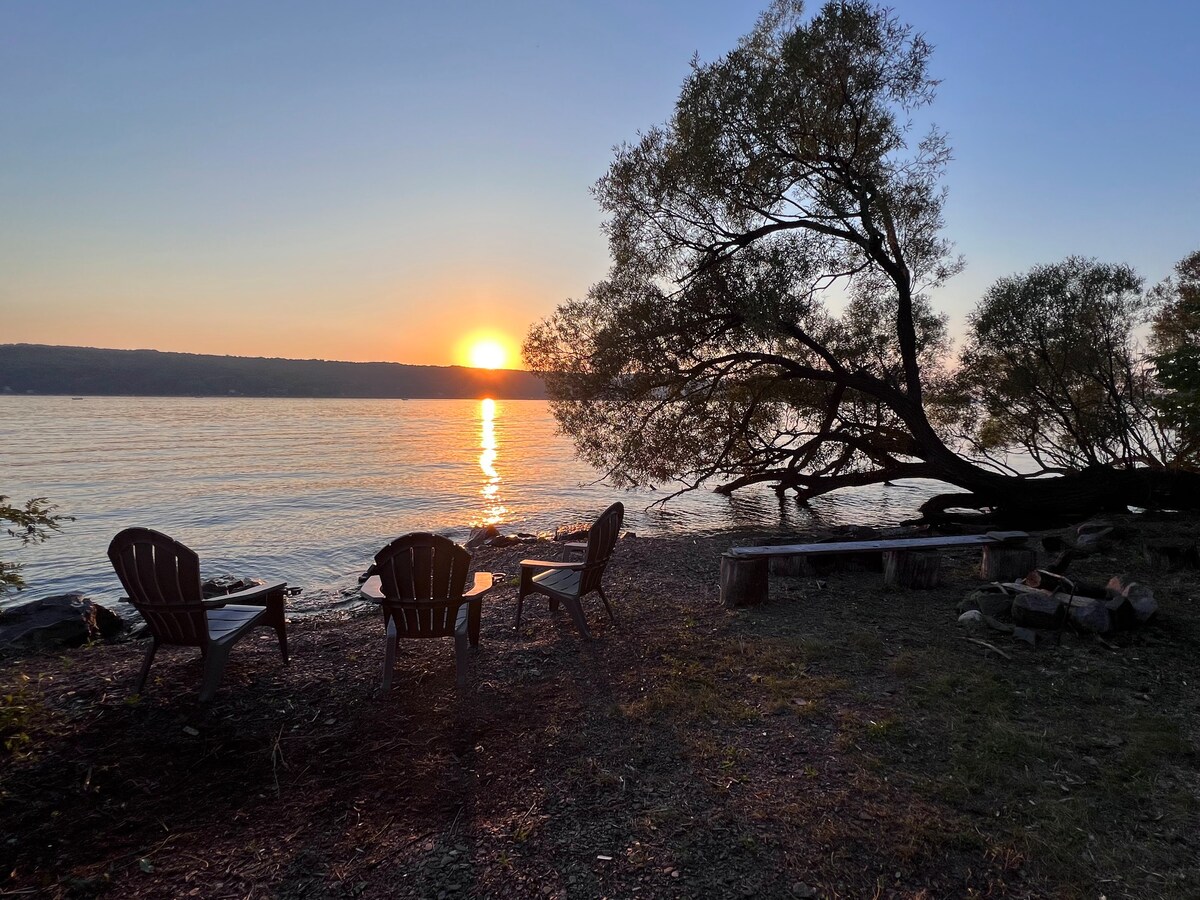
x=989, y=646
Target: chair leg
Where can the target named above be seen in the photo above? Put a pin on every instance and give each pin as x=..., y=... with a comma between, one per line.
x=526, y=584
x=600, y=591
x=474, y=612
x=281, y=630
x=576, y=610
x=389, y=655
x=461, y=658
x=141, y=682
x=275, y=616
x=214, y=668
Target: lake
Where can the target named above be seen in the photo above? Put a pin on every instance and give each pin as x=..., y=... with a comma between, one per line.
x=308, y=490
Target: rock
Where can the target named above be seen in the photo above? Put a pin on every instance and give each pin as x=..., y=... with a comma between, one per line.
x=509, y=540
x=67, y=620
x=971, y=618
x=1140, y=597
x=1090, y=536
x=1038, y=609
x=1145, y=607
x=991, y=600
x=574, y=532
x=481, y=535
x=220, y=585
x=1090, y=615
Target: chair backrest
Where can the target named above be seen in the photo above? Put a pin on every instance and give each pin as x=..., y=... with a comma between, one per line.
x=602, y=537
x=162, y=578
x=422, y=577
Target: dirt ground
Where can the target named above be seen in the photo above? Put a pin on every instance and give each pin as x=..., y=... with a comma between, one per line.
x=843, y=740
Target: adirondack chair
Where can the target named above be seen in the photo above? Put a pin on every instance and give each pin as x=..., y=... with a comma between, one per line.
x=422, y=581
x=162, y=578
x=571, y=581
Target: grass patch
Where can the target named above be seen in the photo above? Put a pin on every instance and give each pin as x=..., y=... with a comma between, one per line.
x=21, y=713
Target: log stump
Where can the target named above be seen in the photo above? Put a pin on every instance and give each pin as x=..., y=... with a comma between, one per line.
x=743, y=580
x=912, y=568
x=791, y=566
x=1002, y=562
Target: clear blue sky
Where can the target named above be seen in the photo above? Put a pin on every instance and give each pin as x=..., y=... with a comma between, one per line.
x=370, y=180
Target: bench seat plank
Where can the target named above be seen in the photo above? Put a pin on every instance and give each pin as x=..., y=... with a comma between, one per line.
x=923, y=543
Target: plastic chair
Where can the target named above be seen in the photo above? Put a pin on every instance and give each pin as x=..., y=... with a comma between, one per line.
x=162, y=578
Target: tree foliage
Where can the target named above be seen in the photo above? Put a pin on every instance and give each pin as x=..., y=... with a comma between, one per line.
x=1052, y=368
x=1176, y=340
x=786, y=176
x=766, y=317
x=31, y=523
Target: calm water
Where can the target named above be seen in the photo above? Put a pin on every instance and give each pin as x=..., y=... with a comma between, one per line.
x=307, y=490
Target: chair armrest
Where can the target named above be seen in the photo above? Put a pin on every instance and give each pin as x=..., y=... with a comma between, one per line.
x=372, y=589
x=548, y=564
x=255, y=596
x=483, y=584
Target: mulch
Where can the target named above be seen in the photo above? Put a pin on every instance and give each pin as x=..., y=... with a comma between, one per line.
x=688, y=751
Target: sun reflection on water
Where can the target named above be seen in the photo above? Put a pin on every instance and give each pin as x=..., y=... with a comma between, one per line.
x=493, y=509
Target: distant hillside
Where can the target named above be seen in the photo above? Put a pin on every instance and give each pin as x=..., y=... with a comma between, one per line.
x=41, y=369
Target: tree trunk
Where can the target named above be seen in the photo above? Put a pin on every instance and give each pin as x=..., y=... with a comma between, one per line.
x=1070, y=497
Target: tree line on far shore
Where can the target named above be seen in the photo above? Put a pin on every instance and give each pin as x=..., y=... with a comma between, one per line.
x=767, y=314
x=41, y=369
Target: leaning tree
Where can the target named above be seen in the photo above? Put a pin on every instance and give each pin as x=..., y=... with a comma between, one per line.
x=766, y=317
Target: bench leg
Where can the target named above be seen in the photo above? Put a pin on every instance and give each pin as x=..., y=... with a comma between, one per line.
x=743, y=580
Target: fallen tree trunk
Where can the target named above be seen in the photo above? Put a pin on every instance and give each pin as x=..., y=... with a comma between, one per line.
x=1074, y=496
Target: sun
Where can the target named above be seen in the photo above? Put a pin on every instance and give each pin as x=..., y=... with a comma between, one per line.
x=488, y=354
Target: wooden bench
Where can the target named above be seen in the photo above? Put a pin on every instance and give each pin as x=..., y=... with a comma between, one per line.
x=744, y=570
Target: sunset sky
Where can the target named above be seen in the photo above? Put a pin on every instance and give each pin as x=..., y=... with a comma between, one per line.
x=391, y=180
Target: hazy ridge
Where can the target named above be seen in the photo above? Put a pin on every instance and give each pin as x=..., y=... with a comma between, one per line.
x=44, y=369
